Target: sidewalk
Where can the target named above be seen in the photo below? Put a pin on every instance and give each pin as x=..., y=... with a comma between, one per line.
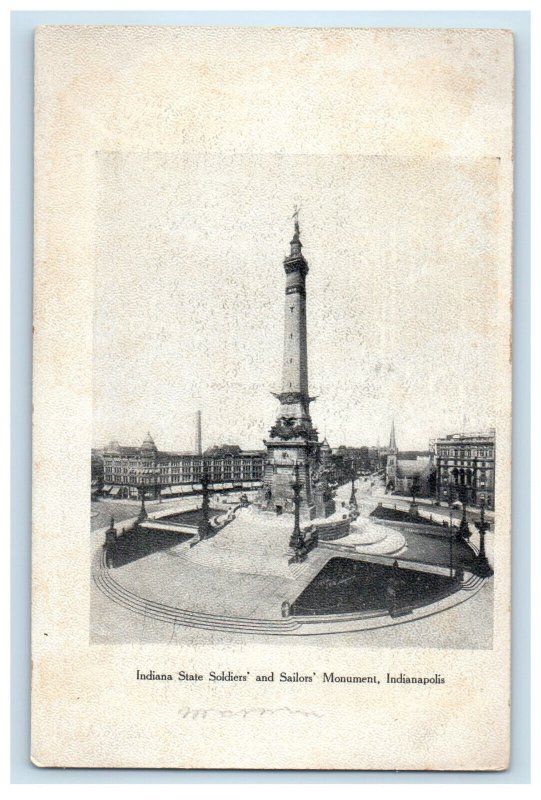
x=426, y=503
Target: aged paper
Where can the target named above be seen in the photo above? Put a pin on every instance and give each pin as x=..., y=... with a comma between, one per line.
x=272, y=398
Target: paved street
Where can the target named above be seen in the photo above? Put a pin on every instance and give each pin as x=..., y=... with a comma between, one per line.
x=418, y=544
x=426, y=505
x=102, y=510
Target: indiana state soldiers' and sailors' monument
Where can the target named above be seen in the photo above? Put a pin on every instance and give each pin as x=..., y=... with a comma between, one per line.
x=293, y=439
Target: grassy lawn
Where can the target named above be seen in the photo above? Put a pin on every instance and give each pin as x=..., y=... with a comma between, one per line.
x=345, y=586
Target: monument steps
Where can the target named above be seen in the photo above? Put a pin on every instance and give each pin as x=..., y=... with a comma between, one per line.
x=174, y=527
x=391, y=548
x=175, y=616
x=322, y=624
x=297, y=571
x=472, y=583
x=244, y=562
x=238, y=550
x=225, y=559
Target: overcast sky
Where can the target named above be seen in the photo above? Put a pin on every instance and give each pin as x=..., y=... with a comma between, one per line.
x=189, y=295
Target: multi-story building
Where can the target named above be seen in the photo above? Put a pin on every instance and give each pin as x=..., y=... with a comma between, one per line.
x=96, y=471
x=127, y=471
x=465, y=467
x=362, y=460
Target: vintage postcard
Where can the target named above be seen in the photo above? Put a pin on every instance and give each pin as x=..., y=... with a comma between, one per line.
x=272, y=398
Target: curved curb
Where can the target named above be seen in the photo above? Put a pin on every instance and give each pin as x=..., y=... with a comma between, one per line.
x=328, y=624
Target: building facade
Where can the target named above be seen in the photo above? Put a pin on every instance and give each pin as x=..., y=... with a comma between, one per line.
x=96, y=471
x=465, y=467
x=415, y=476
x=129, y=471
x=363, y=460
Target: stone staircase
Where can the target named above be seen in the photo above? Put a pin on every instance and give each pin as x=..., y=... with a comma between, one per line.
x=250, y=544
x=118, y=594
x=213, y=556
x=174, y=527
x=472, y=583
x=293, y=625
x=390, y=545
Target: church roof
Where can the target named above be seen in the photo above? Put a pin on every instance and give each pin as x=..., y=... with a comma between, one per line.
x=411, y=469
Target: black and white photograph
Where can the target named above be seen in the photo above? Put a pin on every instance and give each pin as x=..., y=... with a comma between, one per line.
x=290, y=436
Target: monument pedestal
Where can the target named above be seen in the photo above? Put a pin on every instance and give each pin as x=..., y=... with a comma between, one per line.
x=324, y=502
x=283, y=456
x=277, y=493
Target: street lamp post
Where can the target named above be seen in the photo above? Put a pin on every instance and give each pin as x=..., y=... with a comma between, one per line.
x=141, y=479
x=204, y=527
x=137, y=480
x=143, y=512
x=482, y=565
x=464, y=528
x=414, y=508
x=296, y=539
x=354, y=508
x=451, y=531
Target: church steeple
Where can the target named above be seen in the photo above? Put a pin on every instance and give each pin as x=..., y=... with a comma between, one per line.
x=392, y=442
x=391, y=463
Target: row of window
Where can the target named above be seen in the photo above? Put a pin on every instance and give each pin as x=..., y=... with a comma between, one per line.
x=465, y=463
x=184, y=462
x=256, y=472
x=445, y=479
x=466, y=453
x=479, y=496
x=184, y=470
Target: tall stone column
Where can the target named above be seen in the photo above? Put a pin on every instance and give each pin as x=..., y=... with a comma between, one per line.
x=293, y=438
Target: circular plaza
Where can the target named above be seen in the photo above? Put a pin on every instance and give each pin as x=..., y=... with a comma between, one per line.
x=243, y=580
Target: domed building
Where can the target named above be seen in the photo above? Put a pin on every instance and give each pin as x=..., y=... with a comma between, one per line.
x=129, y=471
x=148, y=446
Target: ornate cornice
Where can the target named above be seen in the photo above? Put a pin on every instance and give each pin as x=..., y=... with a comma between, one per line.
x=296, y=265
x=291, y=428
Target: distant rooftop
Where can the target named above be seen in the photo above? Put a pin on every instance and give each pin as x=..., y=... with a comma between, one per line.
x=411, y=468
x=132, y=450
x=488, y=434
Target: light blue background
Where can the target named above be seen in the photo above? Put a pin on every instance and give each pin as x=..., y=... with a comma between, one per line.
x=23, y=24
